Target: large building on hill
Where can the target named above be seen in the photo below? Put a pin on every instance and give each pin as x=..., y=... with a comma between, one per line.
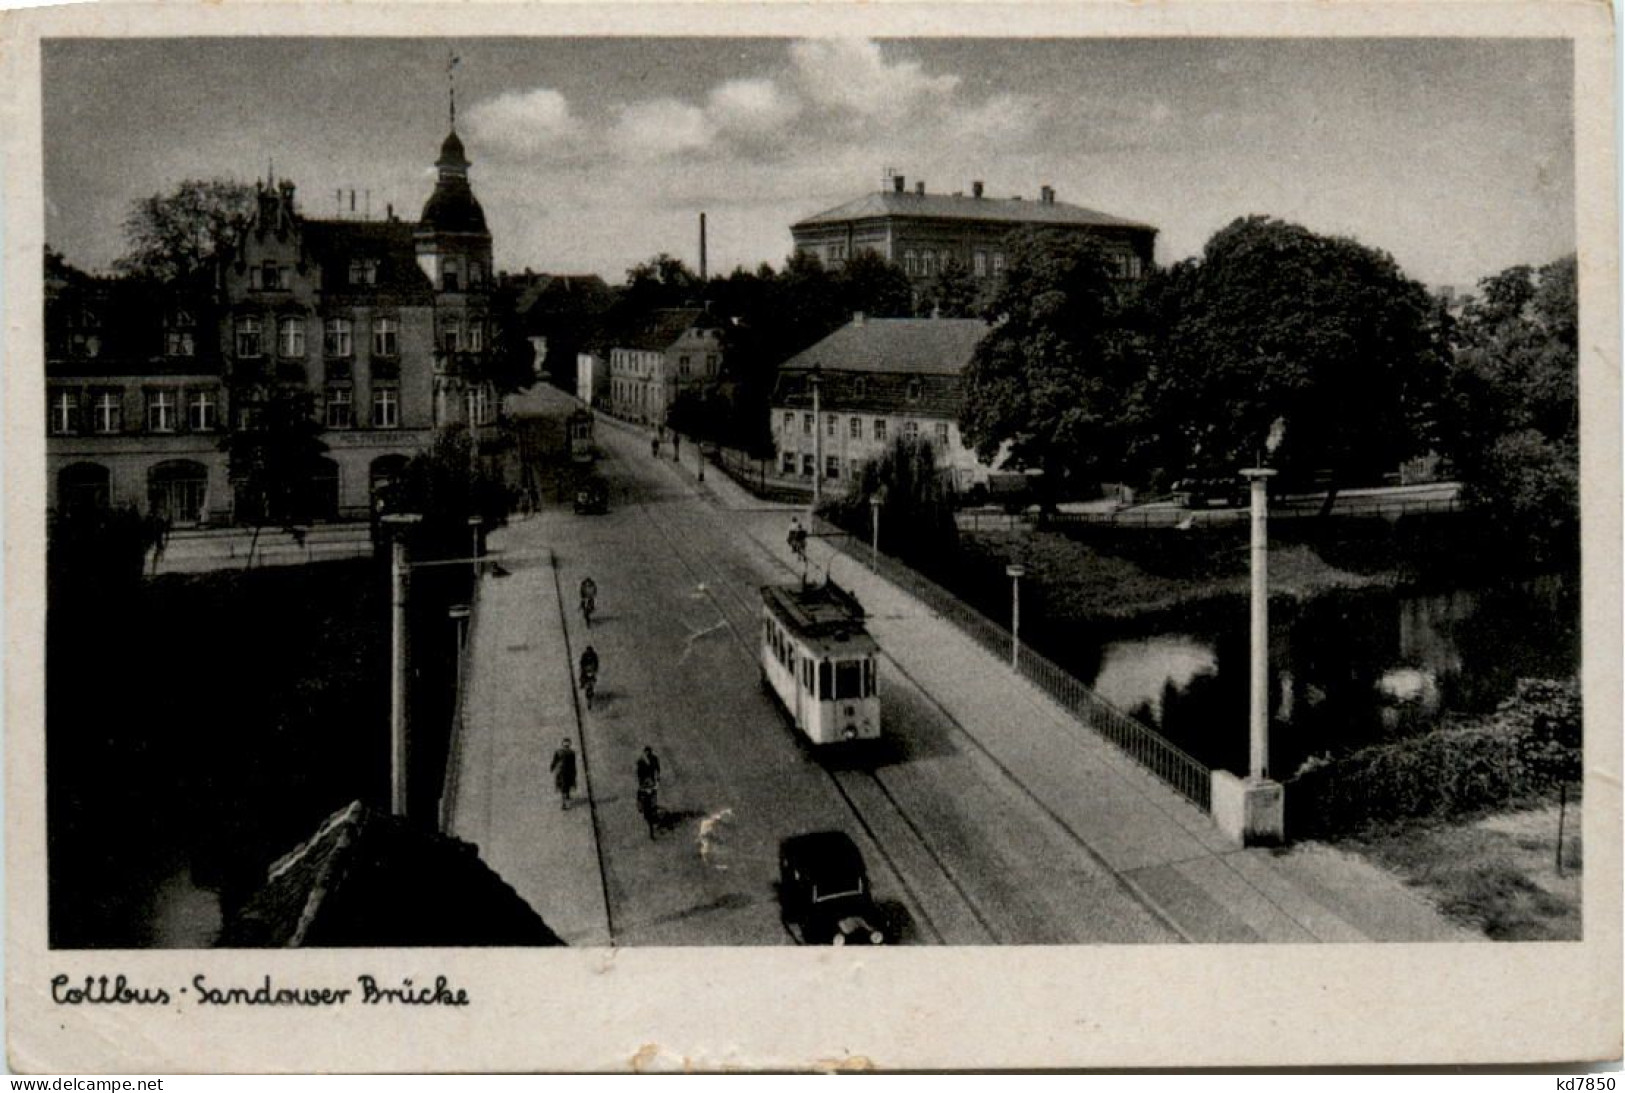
x=385, y=323
x=923, y=232
x=877, y=380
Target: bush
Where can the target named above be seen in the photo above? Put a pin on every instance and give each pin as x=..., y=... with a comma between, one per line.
x=1521, y=753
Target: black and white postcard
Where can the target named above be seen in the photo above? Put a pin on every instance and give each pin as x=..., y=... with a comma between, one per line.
x=836, y=536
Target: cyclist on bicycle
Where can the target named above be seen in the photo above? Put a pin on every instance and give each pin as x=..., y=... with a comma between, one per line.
x=589, y=599
x=589, y=673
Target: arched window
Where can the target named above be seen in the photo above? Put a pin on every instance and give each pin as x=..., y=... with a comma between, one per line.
x=383, y=473
x=83, y=487
x=178, y=491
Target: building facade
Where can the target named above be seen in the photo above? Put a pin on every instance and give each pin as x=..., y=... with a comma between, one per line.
x=925, y=232
x=877, y=380
x=659, y=357
x=384, y=323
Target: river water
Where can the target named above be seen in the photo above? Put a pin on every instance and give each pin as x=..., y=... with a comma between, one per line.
x=1346, y=668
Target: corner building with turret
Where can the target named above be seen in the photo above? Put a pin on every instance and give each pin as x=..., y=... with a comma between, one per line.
x=385, y=322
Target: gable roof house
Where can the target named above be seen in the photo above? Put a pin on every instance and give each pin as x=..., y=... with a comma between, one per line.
x=876, y=380
x=655, y=356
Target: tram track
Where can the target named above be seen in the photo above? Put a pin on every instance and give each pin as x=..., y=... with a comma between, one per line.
x=849, y=784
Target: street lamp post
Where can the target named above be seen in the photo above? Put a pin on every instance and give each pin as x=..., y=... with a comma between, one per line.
x=474, y=523
x=1258, y=749
x=459, y=614
x=1252, y=810
x=398, y=522
x=874, y=531
x=1015, y=572
x=818, y=444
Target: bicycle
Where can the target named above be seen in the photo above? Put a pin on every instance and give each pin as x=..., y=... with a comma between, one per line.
x=589, y=687
x=588, y=606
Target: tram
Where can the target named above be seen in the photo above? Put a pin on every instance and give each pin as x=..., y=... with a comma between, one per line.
x=820, y=661
x=578, y=432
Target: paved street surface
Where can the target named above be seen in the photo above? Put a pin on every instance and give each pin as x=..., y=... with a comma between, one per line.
x=988, y=815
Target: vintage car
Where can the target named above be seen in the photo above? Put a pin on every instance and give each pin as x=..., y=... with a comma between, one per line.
x=824, y=891
x=592, y=495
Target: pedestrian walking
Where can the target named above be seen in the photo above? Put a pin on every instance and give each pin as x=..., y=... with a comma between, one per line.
x=654, y=446
x=648, y=775
x=564, y=772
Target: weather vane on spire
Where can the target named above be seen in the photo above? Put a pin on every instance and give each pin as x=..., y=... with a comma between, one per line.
x=452, y=61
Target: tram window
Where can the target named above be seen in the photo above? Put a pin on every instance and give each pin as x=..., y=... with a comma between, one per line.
x=868, y=678
x=824, y=690
x=848, y=679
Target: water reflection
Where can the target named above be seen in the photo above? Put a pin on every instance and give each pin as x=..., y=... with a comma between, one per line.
x=1135, y=674
x=1347, y=669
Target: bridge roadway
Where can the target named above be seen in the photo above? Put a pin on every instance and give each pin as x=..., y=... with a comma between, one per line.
x=977, y=830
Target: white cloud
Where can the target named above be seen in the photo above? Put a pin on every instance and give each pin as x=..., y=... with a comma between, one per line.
x=661, y=128
x=752, y=109
x=853, y=75
x=524, y=123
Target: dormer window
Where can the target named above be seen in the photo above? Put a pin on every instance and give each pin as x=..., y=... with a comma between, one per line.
x=270, y=276
x=476, y=274
x=860, y=387
x=179, y=339
x=85, y=339
x=364, y=271
x=914, y=390
x=450, y=276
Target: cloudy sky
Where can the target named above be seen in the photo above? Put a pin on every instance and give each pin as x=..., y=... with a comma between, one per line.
x=1456, y=156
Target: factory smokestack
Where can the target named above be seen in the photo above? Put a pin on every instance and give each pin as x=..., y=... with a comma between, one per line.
x=702, y=248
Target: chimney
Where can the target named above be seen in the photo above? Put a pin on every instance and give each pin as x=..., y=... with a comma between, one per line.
x=976, y=188
x=897, y=183
x=857, y=318
x=1046, y=194
x=919, y=189
x=702, y=247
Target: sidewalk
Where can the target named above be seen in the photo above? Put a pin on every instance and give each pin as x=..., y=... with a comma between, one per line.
x=520, y=705
x=1163, y=848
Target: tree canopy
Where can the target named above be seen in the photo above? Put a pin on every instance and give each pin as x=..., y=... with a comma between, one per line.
x=1512, y=414
x=952, y=294
x=275, y=459
x=662, y=281
x=1274, y=329
x=1052, y=378
x=172, y=236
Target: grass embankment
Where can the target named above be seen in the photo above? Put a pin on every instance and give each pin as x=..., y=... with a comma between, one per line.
x=1469, y=812
x=1497, y=873
x=1148, y=579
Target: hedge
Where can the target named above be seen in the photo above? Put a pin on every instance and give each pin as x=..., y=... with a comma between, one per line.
x=1519, y=754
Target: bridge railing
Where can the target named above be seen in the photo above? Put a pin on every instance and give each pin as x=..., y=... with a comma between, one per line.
x=1135, y=739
